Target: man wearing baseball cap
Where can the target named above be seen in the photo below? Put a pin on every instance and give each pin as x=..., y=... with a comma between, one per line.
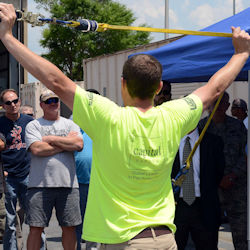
x=52, y=140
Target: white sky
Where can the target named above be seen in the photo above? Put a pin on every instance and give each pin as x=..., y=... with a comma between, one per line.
x=183, y=14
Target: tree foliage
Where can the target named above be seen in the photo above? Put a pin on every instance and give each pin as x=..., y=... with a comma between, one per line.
x=67, y=47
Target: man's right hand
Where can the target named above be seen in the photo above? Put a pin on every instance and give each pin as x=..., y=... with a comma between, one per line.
x=8, y=18
x=241, y=41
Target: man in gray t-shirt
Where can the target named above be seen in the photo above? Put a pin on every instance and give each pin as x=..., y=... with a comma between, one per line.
x=52, y=141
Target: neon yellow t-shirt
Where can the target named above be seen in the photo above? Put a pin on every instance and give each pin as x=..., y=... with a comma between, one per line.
x=133, y=153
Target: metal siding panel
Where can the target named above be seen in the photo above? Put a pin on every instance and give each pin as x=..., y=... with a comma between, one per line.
x=114, y=63
x=112, y=88
x=95, y=75
x=103, y=77
x=89, y=77
x=182, y=89
x=98, y=78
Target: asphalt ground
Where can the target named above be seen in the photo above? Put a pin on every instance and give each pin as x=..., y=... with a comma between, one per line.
x=53, y=235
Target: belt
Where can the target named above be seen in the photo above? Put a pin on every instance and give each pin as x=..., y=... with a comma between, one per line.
x=147, y=232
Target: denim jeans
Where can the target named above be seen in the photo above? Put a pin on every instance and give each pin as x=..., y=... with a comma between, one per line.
x=16, y=188
x=2, y=216
x=83, y=191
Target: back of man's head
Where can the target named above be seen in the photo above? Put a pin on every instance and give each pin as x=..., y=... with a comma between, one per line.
x=143, y=75
x=239, y=103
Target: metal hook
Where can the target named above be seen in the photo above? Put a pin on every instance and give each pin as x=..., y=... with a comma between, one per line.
x=31, y=18
x=19, y=12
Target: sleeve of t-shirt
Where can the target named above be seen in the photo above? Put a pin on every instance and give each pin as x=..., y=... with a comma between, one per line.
x=186, y=112
x=32, y=133
x=75, y=127
x=93, y=112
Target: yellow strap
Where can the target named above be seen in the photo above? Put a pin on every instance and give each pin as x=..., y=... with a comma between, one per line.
x=35, y=20
x=188, y=161
x=104, y=26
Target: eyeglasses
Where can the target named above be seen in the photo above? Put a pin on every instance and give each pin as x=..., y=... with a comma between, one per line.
x=10, y=102
x=52, y=100
x=30, y=114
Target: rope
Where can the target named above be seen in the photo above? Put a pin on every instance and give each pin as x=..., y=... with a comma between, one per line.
x=86, y=25
x=180, y=177
x=104, y=26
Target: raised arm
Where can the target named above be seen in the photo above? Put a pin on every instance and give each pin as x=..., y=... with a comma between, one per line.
x=40, y=68
x=222, y=79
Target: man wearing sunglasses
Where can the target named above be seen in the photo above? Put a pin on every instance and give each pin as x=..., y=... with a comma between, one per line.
x=52, y=140
x=16, y=161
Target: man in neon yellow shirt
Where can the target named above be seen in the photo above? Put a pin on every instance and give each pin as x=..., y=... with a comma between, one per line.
x=130, y=203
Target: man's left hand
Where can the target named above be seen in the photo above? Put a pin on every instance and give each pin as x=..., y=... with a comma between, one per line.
x=8, y=18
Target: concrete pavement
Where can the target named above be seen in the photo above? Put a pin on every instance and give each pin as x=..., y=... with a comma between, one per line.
x=53, y=234
x=225, y=238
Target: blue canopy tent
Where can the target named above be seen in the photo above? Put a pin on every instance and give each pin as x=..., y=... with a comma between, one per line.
x=197, y=58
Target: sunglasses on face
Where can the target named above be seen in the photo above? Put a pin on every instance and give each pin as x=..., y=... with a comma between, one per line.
x=51, y=100
x=10, y=102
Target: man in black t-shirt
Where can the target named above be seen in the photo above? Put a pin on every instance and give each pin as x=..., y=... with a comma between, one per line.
x=15, y=160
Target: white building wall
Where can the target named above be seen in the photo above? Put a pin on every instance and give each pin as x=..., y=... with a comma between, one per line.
x=30, y=95
x=103, y=73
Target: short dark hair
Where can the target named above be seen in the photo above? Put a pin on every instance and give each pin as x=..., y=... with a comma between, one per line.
x=143, y=75
x=5, y=91
x=167, y=86
x=225, y=97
